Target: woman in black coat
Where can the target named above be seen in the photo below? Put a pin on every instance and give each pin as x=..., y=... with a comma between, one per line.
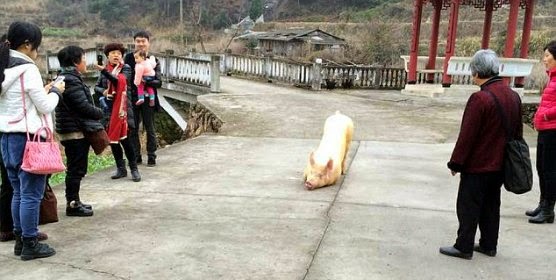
x=74, y=115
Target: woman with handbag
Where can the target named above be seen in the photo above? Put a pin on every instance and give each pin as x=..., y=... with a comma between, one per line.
x=76, y=114
x=545, y=124
x=479, y=154
x=112, y=86
x=25, y=104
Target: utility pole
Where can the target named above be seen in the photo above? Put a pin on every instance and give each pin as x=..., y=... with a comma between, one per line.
x=181, y=22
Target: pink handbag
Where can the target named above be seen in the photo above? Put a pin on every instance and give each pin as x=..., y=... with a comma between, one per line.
x=40, y=157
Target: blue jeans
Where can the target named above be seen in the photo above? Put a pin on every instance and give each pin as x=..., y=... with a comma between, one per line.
x=28, y=188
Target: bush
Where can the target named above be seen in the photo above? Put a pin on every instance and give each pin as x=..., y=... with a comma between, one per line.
x=62, y=32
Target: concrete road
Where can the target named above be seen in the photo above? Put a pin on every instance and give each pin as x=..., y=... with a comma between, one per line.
x=232, y=205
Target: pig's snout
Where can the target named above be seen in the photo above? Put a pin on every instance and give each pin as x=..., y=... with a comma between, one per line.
x=309, y=186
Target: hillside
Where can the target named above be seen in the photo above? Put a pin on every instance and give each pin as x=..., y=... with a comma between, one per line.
x=367, y=25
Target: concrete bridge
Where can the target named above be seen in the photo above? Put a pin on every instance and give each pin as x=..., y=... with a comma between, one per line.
x=232, y=206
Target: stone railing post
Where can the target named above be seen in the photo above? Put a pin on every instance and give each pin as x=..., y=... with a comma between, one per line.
x=215, y=73
x=130, y=48
x=48, y=74
x=317, y=77
x=226, y=67
x=99, y=47
x=268, y=67
x=167, y=55
x=377, y=79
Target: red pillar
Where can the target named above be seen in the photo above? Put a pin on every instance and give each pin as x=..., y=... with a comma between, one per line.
x=451, y=43
x=525, y=38
x=489, y=7
x=434, y=39
x=512, y=30
x=414, y=50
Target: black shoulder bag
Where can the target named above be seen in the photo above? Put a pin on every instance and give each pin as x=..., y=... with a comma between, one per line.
x=518, y=175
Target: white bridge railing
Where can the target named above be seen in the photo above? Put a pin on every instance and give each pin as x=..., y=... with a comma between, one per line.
x=204, y=73
x=204, y=70
x=314, y=75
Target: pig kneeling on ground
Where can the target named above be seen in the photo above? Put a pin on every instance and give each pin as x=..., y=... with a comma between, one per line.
x=328, y=162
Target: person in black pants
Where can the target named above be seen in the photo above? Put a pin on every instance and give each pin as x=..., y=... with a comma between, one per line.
x=6, y=193
x=478, y=155
x=6, y=221
x=110, y=77
x=545, y=124
x=143, y=112
x=75, y=114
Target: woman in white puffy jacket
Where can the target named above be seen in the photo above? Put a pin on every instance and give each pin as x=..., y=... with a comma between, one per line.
x=20, y=77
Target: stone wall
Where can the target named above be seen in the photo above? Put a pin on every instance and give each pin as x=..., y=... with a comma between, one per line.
x=201, y=120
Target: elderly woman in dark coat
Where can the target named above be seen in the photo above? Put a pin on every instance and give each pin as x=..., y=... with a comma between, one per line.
x=478, y=156
x=74, y=115
x=112, y=86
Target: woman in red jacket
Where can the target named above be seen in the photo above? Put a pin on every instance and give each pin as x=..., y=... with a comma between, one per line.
x=545, y=124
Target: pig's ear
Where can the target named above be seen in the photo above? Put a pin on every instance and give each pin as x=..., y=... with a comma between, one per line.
x=330, y=164
x=312, y=158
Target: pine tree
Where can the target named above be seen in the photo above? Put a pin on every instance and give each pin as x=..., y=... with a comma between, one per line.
x=256, y=9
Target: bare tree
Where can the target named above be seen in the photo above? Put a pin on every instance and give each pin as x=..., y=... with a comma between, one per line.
x=196, y=16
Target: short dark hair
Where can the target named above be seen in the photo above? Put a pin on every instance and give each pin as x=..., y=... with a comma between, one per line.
x=70, y=55
x=114, y=47
x=551, y=48
x=142, y=34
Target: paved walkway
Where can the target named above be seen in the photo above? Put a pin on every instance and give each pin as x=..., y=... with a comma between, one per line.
x=232, y=205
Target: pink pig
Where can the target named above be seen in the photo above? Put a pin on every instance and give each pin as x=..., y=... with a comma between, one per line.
x=328, y=162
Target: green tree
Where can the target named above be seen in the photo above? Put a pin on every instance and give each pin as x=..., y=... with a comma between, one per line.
x=221, y=21
x=110, y=11
x=256, y=9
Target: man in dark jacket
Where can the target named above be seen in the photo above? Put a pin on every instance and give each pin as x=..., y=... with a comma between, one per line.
x=144, y=113
x=478, y=156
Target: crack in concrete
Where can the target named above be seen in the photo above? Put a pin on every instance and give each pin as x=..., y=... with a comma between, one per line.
x=328, y=218
x=70, y=266
x=112, y=275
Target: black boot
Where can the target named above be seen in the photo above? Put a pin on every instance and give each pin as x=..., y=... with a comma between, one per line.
x=32, y=249
x=88, y=206
x=18, y=244
x=536, y=211
x=135, y=176
x=546, y=215
x=76, y=209
x=121, y=171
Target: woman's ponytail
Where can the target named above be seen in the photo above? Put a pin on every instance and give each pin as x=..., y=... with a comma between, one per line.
x=4, y=57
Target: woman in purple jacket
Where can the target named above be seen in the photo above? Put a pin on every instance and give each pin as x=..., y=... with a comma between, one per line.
x=545, y=124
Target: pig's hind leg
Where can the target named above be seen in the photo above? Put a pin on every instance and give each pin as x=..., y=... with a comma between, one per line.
x=349, y=135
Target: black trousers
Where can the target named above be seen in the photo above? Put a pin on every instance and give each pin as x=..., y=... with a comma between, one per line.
x=129, y=152
x=546, y=163
x=77, y=152
x=145, y=114
x=6, y=194
x=478, y=203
